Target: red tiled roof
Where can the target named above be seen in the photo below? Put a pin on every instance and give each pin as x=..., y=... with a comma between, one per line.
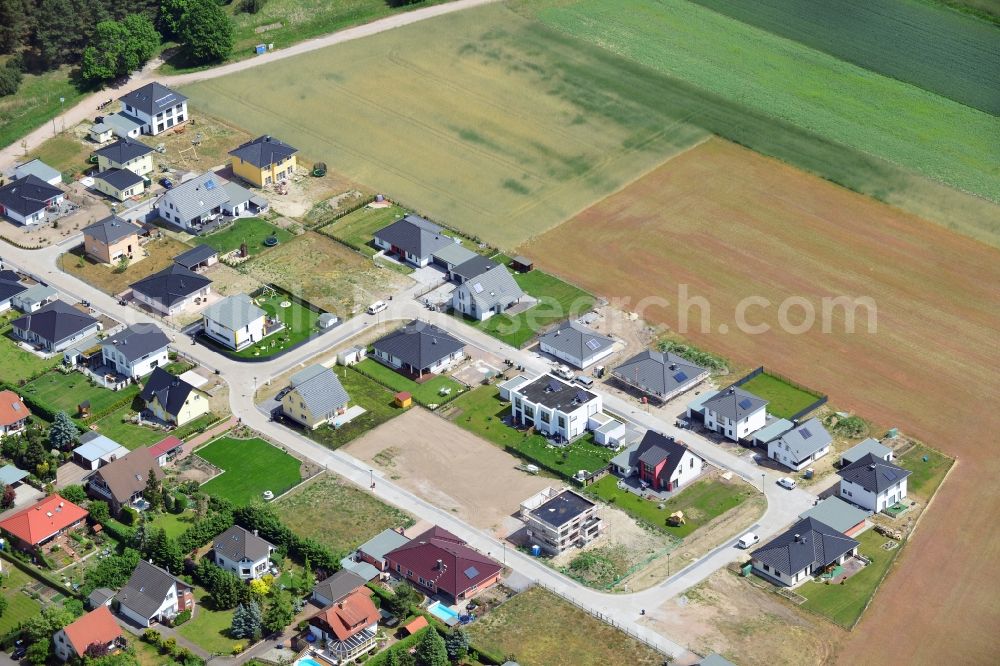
x=350, y=615
x=418, y=623
x=165, y=445
x=42, y=520
x=97, y=626
x=461, y=567
x=12, y=408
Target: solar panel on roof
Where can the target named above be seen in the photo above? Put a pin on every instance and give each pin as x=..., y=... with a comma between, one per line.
x=209, y=184
x=745, y=403
x=593, y=344
x=471, y=572
x=680, y=376
x=806, y=433
x=478, y=287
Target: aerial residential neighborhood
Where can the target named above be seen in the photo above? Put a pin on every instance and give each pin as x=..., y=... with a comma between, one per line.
x=493, y=333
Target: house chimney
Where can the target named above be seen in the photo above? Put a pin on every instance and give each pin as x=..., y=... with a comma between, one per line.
x=872, y=466
x=255, y=532
x=731, y=390
x=797, y=538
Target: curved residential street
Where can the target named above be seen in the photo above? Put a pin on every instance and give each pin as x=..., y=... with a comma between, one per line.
x=783, y=506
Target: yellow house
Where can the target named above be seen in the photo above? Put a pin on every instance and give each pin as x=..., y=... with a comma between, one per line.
x=315, y=397
x=119, y=184
x=264, y=161
x=171, y=399
x=126, y=153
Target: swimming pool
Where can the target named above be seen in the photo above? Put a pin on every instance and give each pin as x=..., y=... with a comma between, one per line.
x=437, y=609
x=307, y=661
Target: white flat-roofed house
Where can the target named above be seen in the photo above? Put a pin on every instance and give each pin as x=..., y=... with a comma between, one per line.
x=553, y=407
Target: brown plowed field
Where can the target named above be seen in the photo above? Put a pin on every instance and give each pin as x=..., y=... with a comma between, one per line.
x=730, y=224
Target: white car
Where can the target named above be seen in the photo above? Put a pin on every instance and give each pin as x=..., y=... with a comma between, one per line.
x=747, y=540
x=786, y=482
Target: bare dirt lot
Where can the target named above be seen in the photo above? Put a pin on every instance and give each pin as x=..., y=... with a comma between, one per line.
x=729, y=224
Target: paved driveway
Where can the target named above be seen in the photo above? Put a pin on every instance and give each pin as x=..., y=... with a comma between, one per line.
x=70, y=474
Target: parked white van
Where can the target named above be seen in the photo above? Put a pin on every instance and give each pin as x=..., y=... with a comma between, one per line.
x=747, y=540
x=377, y=306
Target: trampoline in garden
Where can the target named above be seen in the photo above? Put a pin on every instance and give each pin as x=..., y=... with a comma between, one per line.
x=319, y=169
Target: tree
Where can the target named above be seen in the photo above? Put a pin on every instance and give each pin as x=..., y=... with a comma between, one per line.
x=99, y=511
x=10, y=77
x=169, y=19
x=153, y=492
x=403, y=600
x=261, y=586
x=118, y=48
x=225, y=589
x=246, y=621
x=205, y=32
x=63, y=434
x=38, y=651
x=391, y=658
x=74, y=494
x=3, y=605
x=279, y=614
x=431, y=650
x=9, y=495
x=457, y=644
x=13, y=24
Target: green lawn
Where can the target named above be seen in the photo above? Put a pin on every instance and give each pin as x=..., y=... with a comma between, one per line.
x=133, y=436
x=35, y=103
x=844, y=603
x=357, y=228
x=251, y=230
x=926, y=476
x=251, y=467
x=427, y=393
x=16, y=363
x=480, y=411
x=359, y=515
x=376, y=400
x=174, y=524
x=65, y=153
x=784, y=399
x=300, y=325
x=209, y=628
x=66, y=392
x=701, y=502
x=557, y=300
x=20, y=606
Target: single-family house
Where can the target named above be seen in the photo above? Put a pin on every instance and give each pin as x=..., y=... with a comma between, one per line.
x=171, y=399
x=735, y=413
x=153, y=595
x=315, y=396
x=172, y=290
x=661, y=462
x=11, y=475
x=873, y=483
x=439, y=562
x=801, y=446
x=807, y=549
x=121, y=482
x=242, y=552
x=156, y=106
x=235, y=322
x=839, y=515
x=127, y=154
x=108, y=240
x=40, y=170
x=97, y=629
x=55, y=326
x=486, y=294
x=43, y=521
x=34, y=298
x=196, y=202
x=118, y=124
x=375, y=549
x=863, y=448
x=136, y=350
x=661, y=375
x=119, y=184
x=419, y=348
x=197, y=258
x=348, y=628
x=26, y=200
x=559, y=519
x=10, y=287
x=553, y=407
x=263, y=161
x=576, y=344
x=96, y=449
x=166, y=450
x=333, y=588
x=413, y=239
x=14, y=414
x=475, y=265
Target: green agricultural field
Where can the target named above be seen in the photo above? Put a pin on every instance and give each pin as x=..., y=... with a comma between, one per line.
x=375, y=398
x=67, y=392
x=916, y=42
x=784, y=400
x=427, y=393
x=252, y=230
x=484, y=120
x=251, y=467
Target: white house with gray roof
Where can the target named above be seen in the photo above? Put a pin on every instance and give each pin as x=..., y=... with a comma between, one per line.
x=235, y=322
x=136, y=350
x=576, y=344
x=873, y=483
x=661, y=375
x=40, y=170
x=553, y=407
x=153, y=595
x=735, y=413
x=413, y=239
x=156, y=107
x=203, y=199
x=314, y=397
x=486, y=294
x=807, y=549
x=34, y=298
x=419, y=348
x=801, y=446
x=242, y=552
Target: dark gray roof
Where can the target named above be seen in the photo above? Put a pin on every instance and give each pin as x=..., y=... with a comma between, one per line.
x=339, y=585
x=169, y=391
x=873, y=474
x=554, y=393
x=137, y=341
x=655, y=448
x=170, y=285
x=414, y=234
x=195, y=255
x=27, y=195
x=55, y=322
x=238, y=544
x=112, y=228
x=734, y=403
x=320, y=389
x=263, y=151
x=123, y=150
x=418, y=344
x=658, y=373
x=576, y=339
x=806, y=439
x=562, y=508
x=473, y=267
x=808, y=542
x=99, y=597
x=10, y=285
x=494, y=287
x=119, y=179
x=147, y=589
x=153, y=98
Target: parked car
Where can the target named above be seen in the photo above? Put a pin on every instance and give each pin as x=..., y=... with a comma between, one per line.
x=377, y=306
x=167, y=183
x=19, y=652
x=786, y=482
x=563, y=372
x=747, y=540
x=584, y=381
